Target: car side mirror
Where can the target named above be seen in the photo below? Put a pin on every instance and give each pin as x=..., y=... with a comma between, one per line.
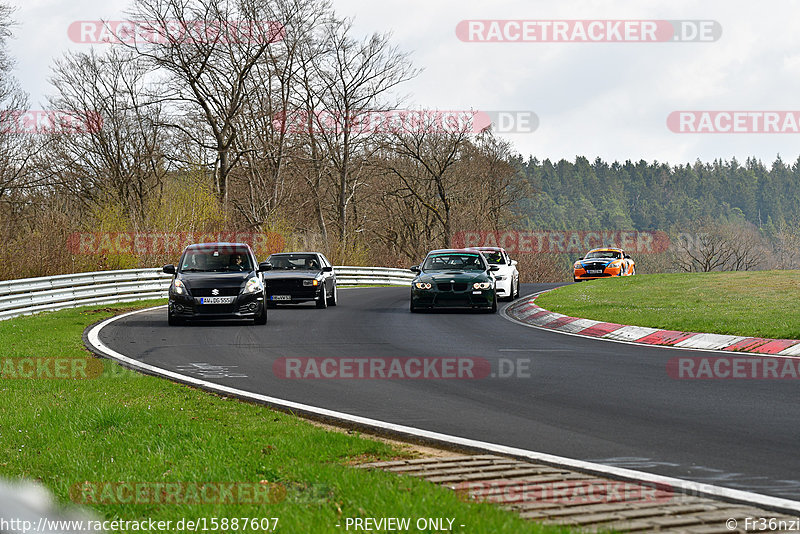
x=514, y=263
x=327, y=269
x=627, y=256
x=264, y=266
x=579, y=259
x=168, y=269
x=494, y=267
x=414, y=269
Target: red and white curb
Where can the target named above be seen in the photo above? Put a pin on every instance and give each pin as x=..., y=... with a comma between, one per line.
x=526, y=311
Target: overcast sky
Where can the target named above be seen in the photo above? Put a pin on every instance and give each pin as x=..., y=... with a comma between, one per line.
x=592, y=99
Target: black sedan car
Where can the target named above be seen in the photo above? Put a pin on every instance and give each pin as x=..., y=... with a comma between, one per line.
x=300, y=277
x=454, y=278
x=217, y=281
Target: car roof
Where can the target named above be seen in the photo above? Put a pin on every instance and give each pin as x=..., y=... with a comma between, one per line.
x=452, y=251
x=606, y=249
x=291, y=253
x=487, y=249
x=216, y=244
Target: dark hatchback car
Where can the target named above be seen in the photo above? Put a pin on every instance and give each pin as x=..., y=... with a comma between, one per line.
x=217, y=281
x=454, y=278
x=300, y=277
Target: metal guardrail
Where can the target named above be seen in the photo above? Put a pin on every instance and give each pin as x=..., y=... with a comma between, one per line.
x=33, y=295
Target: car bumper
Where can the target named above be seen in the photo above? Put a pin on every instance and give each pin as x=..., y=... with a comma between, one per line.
x=503, y=287
x=581, y=274
x=243, y=307
x=296, y=296
x=421, y=298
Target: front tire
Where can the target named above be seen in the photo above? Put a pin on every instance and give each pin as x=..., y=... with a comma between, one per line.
x=261, y=318
x=334, y=298
x=173, y=321
x=322, y=301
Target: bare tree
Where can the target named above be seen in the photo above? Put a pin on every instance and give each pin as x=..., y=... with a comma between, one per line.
x=15, y=147
x=350, y=79
x=276, y=80
x=121, y=155
x=425, y=163
x=207, y=64
x=718, y=246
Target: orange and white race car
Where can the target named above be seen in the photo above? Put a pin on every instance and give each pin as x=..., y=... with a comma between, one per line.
x=602, y=263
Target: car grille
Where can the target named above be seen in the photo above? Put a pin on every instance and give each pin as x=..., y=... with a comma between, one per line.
x=207, y=292
x=276, y=286
x=453, y=300
x=449, y=286
x=595, y=267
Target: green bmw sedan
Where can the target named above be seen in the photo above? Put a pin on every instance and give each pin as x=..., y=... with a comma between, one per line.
x=454, y=278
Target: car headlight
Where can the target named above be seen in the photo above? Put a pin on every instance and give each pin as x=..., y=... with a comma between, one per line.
x=253, y=286
x=482, y=285
x=422, y=285
x=309, y=283
x=178, y=287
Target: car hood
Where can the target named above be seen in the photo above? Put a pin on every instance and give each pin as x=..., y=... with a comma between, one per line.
x=598, y=261
x=290, y=275
x=214, y=280
x=458, y=276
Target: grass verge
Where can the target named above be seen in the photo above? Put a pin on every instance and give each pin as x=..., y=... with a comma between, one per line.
x=80, y=435
x=754, y=303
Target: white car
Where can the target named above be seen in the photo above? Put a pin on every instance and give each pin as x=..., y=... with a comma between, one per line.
x=507, y=277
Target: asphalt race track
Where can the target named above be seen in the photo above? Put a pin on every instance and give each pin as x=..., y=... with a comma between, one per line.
x=592, y=400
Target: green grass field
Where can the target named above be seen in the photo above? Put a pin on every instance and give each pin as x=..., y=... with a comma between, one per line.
x=126, y=427
x=754, y=303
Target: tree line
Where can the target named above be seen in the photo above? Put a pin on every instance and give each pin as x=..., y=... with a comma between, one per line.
x=195, y=130
x=249, y=116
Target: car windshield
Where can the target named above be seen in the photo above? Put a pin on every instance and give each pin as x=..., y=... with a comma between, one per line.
x=457, y=262
x=494, y=257
x=294, y=262
x=603, y=255
x=216, y=260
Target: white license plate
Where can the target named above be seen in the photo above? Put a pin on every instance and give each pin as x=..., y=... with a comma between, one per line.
x=476, y=292
x=216, y=300
x=281, y=297
x=595, y=271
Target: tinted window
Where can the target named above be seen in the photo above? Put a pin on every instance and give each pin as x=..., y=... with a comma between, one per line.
x=494, y=257
x=295, y=262
x=216, y=260
x=457, y=262
x=604, y=255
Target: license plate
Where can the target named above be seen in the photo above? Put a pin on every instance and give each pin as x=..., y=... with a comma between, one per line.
x=595, y=271
x=476, y=292
x=281, y=297
x=216, y=300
